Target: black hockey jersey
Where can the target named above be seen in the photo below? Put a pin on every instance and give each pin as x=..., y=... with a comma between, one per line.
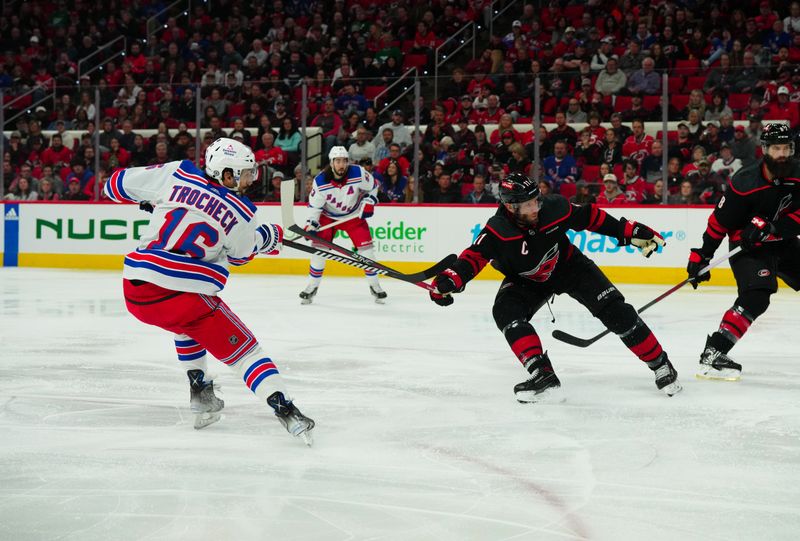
x=750, y=194
x=539, y=253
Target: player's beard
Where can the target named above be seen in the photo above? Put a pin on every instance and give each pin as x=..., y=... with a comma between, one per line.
x=779, y=169
x=526, y=222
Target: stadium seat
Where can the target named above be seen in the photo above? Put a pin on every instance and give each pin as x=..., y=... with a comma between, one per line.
x=622, y=103
x=568, y=189
x=236, y=110
x=695, y=82
x=111, y=111
x=371, y=91
x=414, y=61
x=651, y=103
x=738, y=102
x=679, y=101
x=687, y=67
x=675, y=84
x=672, y=135
x=591, y=173
x=466, y=188
x=574, y=11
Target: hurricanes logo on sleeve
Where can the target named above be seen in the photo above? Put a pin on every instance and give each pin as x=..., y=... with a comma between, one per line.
x=542, y=271
x=233, y=339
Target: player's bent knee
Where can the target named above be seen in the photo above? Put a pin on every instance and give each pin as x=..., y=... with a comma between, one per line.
x=754, y=302
x=505, y=313
x=619, y=317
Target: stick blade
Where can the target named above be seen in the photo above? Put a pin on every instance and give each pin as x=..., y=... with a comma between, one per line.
x=572, y=340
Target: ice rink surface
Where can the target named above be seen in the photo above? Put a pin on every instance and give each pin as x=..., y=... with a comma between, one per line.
x=418, y=434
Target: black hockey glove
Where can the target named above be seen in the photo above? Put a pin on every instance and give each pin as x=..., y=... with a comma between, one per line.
x=697, y=262
x=146, y=206
x=758, y=231
x=447, y=283
x=641, y=236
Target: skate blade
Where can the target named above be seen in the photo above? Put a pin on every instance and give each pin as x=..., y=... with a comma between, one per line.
x=202, y=420
x=305, y=301
x=672, y=389
x=380, y=301
x=730, y=376
x=547, y=396
x=307, y=437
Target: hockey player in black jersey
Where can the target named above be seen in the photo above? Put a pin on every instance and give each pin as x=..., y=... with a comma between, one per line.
x=526, y=241
x=761, y=212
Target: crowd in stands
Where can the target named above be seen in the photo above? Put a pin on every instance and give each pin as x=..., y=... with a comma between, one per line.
x=731, y=66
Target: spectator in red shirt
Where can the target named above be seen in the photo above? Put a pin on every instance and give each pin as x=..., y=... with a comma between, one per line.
x=638, y=145
x=394, y=156
x=493, y=111
x=117, y=156
x=505, y=124
x=270, y=154
x=57, y=155
x=136, y=59
x=765, y=16
x=783, y=109
x=611, y=195
x=635, y=186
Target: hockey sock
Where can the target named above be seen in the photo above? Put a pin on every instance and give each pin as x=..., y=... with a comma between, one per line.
x=315, y=269
x=191, y=355
x=734, y=324
x=372, y=276
x=260, y=374
x=642, y=342
x=522, y=338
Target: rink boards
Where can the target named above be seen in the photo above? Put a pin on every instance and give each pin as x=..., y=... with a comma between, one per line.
x=408, y=237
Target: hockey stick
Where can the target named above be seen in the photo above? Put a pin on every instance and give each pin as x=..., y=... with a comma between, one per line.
x=356, y=214
x=585, y=342
x=333, y=257
x=350, y=257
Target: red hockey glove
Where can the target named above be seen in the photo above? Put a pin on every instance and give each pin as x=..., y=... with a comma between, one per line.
x=697, y=262
x=368, y=211
x=757, y=232
x=641, y=236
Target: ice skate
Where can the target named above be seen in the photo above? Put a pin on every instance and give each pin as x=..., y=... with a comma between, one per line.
x=290, y=417
x=308, y=294
x=717, y=365
x=379, y=294
x=542, y=384
x=202, y=400
x=666, y=376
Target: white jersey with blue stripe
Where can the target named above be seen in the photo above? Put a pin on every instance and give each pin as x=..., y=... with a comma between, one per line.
x=198, y=227
x=338, y=199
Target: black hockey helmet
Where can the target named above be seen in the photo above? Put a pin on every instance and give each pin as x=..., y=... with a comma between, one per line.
x=517, y=188
x=777, y=134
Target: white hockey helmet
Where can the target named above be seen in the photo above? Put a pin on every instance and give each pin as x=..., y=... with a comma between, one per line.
x=338, y=152
x=225, y=153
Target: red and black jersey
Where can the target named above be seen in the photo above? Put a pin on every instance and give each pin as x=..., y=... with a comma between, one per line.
x=750, y=194
x=539, y=253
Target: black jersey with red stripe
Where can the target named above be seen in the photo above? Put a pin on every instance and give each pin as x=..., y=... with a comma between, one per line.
x=537, y=253
x=750, y=193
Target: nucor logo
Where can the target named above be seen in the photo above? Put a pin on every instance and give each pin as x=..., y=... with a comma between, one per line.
x=110, y=229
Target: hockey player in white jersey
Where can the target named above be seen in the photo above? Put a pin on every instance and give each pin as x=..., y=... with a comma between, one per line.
x=341, y=189
x=201, y=224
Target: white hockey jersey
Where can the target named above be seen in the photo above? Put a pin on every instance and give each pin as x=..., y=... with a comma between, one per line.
x=198, y=227
x=336, y=200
